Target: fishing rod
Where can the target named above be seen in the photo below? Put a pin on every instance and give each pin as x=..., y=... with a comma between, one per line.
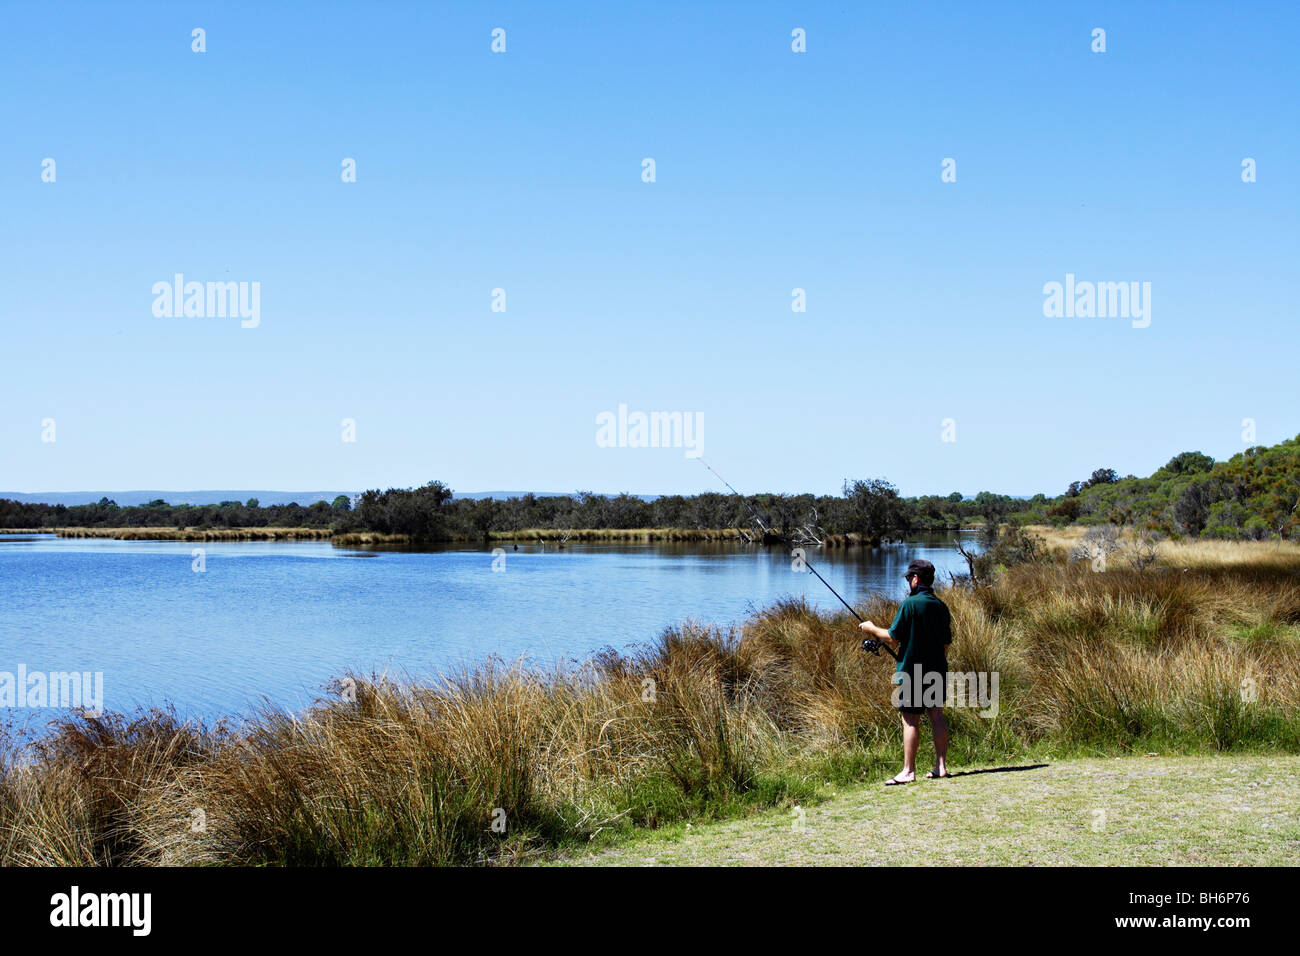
x=755, y=517
x=721, y=479
x=870, y=644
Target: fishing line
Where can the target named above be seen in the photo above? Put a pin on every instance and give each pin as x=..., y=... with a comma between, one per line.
x=870, y=644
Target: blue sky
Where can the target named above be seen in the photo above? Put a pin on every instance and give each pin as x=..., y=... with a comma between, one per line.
x=774, y=170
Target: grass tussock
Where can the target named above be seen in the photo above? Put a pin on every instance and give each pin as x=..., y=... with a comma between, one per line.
x=501, y=763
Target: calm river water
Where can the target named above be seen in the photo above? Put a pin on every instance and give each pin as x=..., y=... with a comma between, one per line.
x=276, y=622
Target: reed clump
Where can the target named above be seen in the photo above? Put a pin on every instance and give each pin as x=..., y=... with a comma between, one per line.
x=353, y=539
x=500, y=763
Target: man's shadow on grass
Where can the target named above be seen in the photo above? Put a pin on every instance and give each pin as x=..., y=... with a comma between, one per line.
x=971, y=773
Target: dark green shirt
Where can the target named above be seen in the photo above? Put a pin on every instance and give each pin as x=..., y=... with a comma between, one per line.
x=923, y=629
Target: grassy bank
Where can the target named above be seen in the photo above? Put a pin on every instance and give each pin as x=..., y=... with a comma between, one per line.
x=1242, y=810
x=699, y=724
x=197, y=534
x=558, y=535
x=353, y=539
x=661, y=534
x=366, y=538
x=619, y=534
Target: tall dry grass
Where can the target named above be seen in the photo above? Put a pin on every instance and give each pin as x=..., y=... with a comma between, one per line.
x=1197, y=656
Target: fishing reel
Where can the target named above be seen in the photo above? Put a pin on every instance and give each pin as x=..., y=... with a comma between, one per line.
x=871, y=646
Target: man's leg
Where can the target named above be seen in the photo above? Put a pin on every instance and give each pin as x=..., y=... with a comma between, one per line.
x=911, y=741
x=939, y=727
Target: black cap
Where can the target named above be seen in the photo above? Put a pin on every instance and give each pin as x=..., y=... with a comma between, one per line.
x=922, y=569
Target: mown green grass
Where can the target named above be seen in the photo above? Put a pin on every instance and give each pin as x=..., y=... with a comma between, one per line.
x=1241, y=810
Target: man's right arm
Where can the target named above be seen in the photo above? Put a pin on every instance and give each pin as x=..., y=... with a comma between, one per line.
x=877, y=632
x=880, y=633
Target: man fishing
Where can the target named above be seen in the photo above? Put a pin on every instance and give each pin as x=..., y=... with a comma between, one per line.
x=920, y=634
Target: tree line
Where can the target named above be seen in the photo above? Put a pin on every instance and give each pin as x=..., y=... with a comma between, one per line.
x=107, y=513
x=1255, y=494
x=871, y=508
